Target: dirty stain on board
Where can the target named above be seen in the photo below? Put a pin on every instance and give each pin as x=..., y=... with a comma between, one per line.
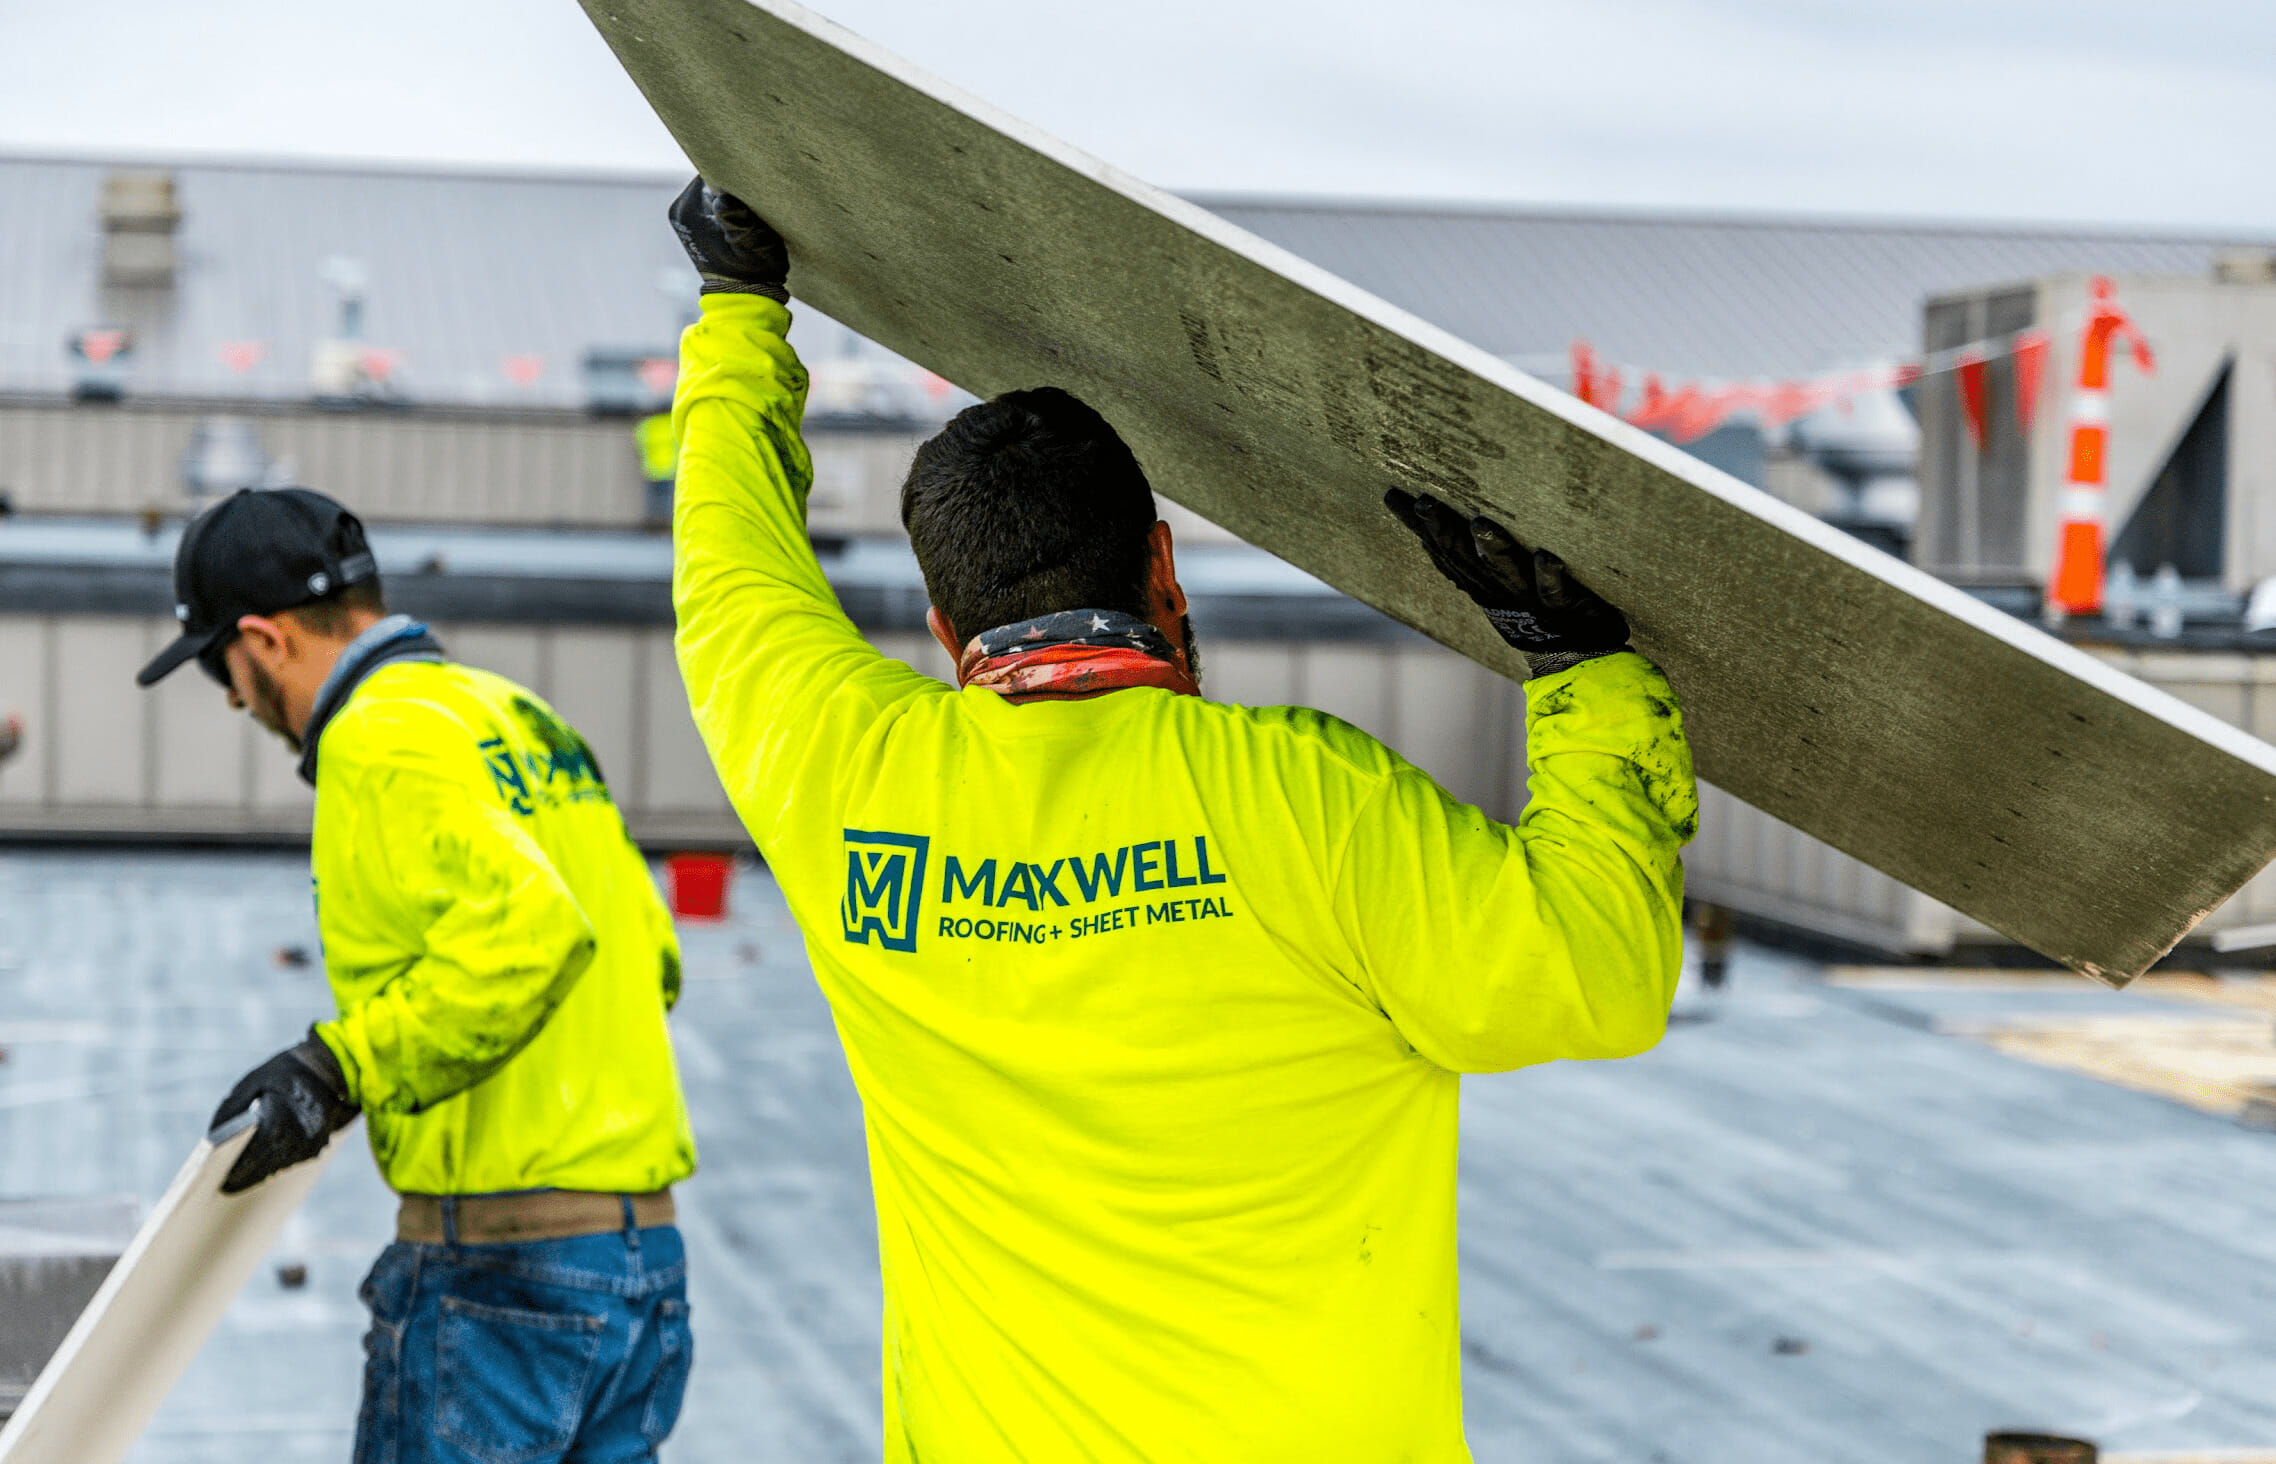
x=1430, y=432
x=1426, y=424
x=1238, y=354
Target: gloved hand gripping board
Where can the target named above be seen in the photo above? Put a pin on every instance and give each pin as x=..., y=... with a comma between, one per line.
x=2063, y=803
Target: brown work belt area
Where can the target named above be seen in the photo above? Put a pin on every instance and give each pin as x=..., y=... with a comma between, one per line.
x=529, y=1215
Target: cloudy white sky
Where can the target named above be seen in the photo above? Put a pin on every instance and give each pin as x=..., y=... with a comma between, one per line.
x=2106, y=111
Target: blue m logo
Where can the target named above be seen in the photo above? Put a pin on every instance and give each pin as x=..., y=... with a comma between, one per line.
x=885, y=881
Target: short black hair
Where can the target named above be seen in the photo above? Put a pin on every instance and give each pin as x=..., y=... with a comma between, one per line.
x=332, y=616
x=1028, y=505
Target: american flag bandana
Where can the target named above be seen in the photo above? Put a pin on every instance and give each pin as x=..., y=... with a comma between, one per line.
x=1070, y=654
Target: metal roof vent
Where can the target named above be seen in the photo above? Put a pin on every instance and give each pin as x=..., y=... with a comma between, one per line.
x=140, y=215
x=345, y=369
x=622, y=383
x=224, y=455
x=100, y=359
x=2245, y=267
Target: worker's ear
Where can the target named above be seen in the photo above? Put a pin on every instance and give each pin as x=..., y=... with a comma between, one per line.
x=945, y=633
x=269, y=642
x=1165, y=597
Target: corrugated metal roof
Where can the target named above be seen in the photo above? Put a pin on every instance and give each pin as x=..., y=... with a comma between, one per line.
x=464, y=270
x=1691, y=295
x=467, y=269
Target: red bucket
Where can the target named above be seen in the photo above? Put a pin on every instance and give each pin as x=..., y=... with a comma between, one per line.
x=698, y=885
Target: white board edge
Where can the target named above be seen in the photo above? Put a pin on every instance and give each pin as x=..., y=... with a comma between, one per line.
x=91, y=1315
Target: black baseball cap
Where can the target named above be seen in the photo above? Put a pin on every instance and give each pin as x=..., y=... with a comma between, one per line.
x=258, y=551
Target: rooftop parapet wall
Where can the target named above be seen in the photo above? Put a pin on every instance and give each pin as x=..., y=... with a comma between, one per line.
x=426, y=465
x=105, y=759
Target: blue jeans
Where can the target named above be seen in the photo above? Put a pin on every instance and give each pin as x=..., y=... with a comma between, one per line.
x=544, y=1352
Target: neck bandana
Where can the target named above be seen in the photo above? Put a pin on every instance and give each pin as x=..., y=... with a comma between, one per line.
x=1071, y=654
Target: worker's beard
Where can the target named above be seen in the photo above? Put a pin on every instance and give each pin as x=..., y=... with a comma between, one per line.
x=1192, y=650
x=267, y=704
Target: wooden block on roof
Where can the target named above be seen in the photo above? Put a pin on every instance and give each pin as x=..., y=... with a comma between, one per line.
x=2067, y=805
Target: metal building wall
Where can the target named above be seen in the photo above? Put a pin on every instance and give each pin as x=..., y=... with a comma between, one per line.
x=104, y=758
x=423, y=466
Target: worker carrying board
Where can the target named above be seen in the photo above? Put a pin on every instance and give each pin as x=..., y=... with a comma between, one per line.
x=1157, y=1006
x=502, y=967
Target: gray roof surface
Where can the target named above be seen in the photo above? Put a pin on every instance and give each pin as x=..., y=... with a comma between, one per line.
x=468, y=268
x=1956, y=1240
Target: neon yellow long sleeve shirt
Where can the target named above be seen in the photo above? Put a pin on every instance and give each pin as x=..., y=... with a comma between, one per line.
x=500, y=958
x=1156, y=1006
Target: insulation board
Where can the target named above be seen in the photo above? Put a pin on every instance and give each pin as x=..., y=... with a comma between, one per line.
x=156, y=1308
x=1959, y=750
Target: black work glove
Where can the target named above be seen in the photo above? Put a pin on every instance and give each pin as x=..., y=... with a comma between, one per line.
x=304, y=1101
x=736, y=251
x=1532, y=600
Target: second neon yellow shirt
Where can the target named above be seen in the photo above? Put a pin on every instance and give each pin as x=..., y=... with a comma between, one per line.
x=1156, y=1005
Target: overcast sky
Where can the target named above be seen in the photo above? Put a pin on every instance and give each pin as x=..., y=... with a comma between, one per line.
x=2106, y=111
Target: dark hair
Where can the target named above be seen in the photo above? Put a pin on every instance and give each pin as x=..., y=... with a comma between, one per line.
x=330, y=616
x=1025, y=506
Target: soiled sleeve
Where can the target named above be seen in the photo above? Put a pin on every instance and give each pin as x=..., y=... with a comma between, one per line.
x=1493, y=946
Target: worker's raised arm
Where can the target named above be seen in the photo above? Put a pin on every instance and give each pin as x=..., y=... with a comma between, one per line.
x=1491, y=946
x=774, y=668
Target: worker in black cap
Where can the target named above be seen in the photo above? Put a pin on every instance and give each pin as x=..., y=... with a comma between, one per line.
x=259, y=555
x=502, y=967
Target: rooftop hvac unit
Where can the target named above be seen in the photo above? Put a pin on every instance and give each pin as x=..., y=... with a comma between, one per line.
x=883, y=390
x=99, y=358
x=620, y=383
x=1869, y=445
x=2245, y=267
x=335, y=371
x=140, y=215
x=353, y=373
